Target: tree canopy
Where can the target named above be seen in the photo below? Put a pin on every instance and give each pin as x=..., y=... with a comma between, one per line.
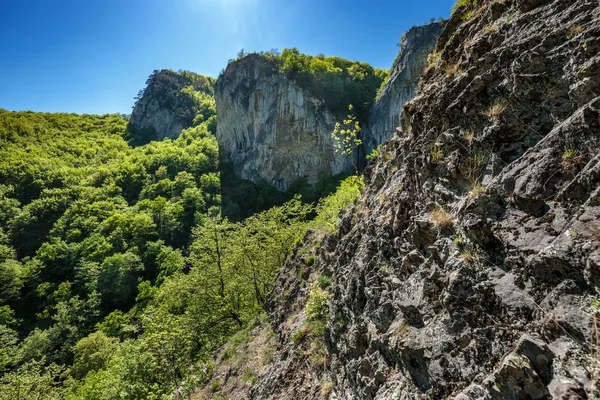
x=118, y=270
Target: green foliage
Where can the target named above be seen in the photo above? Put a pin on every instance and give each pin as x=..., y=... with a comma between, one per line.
x=433, y=58
x=249, y=376
x=316, y=306
x=299, y=335
x=385, y=74
x=85, y=218
x=329, y=208
x=374, y=153
x=463, y=4
x=571, y=158
x=323, y=281
x=114, y=324
x=347, y=135
x=32, y=381
x=93, y=353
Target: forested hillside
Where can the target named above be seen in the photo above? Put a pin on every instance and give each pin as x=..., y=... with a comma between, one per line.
x=89, y=226
x=119, y=275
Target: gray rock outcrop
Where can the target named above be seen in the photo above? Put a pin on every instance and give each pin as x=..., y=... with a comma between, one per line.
x=402, y=84
x=272, y=129
x=163, y=109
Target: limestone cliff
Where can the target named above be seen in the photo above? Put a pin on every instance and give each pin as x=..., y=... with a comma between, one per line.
x=270, y=128
x=168, y=104
x=402, y=84
x=274, y=128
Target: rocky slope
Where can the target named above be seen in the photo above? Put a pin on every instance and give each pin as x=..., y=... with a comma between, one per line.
x=401, y=85
x=468, y=268
x=163, y=109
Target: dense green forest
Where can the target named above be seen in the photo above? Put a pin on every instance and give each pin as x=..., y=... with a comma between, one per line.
x=120, y=272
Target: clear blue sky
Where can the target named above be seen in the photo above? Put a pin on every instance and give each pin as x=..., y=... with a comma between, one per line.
x=92, y=56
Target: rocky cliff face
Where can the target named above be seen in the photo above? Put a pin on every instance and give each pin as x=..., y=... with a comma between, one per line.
x=468, y=268
x=402, y=84
x=272, y=129
x=164, y=108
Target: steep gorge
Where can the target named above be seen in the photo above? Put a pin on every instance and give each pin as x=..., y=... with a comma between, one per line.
x=468, y=267
x=274, y=128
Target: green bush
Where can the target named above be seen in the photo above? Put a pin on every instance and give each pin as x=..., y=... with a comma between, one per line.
x=317, y=308
x=329, y=207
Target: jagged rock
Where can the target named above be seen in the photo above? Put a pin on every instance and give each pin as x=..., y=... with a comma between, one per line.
x=497, y=305
x=402, y=84
x=162, y=109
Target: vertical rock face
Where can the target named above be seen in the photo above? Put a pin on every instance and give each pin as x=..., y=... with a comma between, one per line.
x=402, y=84
x=164, y=108
x=272, y=129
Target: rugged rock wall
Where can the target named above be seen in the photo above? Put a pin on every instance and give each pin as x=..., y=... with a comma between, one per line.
x=468, y=268
x=163, y=109
x=272, y=129
x=402, y=84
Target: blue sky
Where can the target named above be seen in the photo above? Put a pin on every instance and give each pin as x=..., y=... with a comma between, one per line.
x=92, y=56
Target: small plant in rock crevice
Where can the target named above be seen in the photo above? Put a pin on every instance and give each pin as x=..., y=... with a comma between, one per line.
x=574, y=31
x=490, y=28
x=476, y=189
x=433, y=58
x=326, y=389
x=374, y=153
x=249, y=376
x=468, y=257
x=476, y=159
x=459, y=241
x=571, y=158
x=316, y=306
x=300, y=335
x=441, y=219
x=437, y=154
x=468, y=136
x=496, y=109
x=323, y=281
x=452, y=69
